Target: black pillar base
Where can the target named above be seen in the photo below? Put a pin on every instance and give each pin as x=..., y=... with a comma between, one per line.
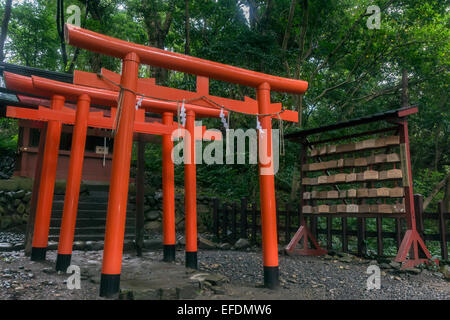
x=38, y=254
x=271, y=277
x=109, y=285
x=169, y=253
x=63, y=262
x=191, y=260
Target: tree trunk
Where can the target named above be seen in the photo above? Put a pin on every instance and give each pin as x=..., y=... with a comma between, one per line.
x=60, y=27
x=446, y=200
x=405, y=100
x=187, y=29
x=4, y=31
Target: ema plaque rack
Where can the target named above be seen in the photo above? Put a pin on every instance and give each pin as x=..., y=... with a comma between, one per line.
x=363, y=175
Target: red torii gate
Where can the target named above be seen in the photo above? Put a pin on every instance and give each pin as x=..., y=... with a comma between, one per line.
x=132, y=55
x=82, y=119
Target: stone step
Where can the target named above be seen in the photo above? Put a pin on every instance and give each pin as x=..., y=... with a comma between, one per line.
x=89, y=222
x=58, y=213
x=90, y=230
x=91, y=237
x=89, y=205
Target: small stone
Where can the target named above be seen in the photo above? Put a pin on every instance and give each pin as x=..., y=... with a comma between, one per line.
x=206, y=244
x=413, y=270
x=242, y=244
x=225, y=246
x=5, y=246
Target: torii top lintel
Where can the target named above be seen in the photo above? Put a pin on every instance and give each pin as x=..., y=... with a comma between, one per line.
x=46, y=87
x=110, y=46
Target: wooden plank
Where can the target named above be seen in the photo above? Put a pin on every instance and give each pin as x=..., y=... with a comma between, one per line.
x=394, y=174
x=370, y=175
x=385, y=208
x=331, y=149
x=307, y=209
x=345, y=147
x=342, y=194
x=322, y=180
x=392, y=140
x=340, y=177
x=364, y=208
x=360, y=162
x=352, y=208
x=396, y=192
x=306, y=195
x=443, y=230
x=377, y=158
x=380, y=142
x=323, y=194
x=393, y=157
x=323, y=208
x=351, y=177
x=333, y=194
x=349, y=162
x=362, y=193
x=351, y=193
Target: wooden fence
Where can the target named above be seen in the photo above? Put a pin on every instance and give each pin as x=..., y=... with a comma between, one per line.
x=243, y=220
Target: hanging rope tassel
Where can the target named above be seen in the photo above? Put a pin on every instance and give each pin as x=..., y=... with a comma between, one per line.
x=282, y=148
x=118, y=114
x=222, y=118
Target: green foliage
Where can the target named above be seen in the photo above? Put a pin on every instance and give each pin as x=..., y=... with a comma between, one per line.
x=352, y=71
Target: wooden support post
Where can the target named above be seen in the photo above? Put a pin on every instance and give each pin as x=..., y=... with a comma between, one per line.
x=379, y=236
x=225, y=222
x=234, y=222
x=47, y=184
x=418, y=209
x=73, y=184
x=443, y=230
x=344, y=235
x=254, y=226
x=361, y=236
x=168, y=175
x=288, y=223
x=120, y=177
x=216, y=218
x=329, y=233
x=243, y=227
x=267, y=190
x=35, y=192
x=398, y=232
x=190, y=182
x=140, y=196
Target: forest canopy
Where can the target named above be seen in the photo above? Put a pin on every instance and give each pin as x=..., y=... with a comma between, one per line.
x=353, y=69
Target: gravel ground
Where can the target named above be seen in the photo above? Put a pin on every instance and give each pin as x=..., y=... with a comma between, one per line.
x=338, y=277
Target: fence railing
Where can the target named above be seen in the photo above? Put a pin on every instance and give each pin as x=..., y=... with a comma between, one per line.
x=232, y=221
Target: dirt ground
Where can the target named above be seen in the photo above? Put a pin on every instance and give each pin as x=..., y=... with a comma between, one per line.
x=222, y=274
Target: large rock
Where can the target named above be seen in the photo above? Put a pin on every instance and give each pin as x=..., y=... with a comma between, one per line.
x=153, y=244
x=153, y=226
x=445, y=270
x=206, y=244
x=242, y=244
x=152, y=215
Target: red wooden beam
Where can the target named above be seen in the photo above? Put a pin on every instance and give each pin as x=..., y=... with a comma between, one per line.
x=148, y=87
x=100, y=43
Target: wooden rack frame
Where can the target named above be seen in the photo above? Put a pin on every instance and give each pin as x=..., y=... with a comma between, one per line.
x=385, y=177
